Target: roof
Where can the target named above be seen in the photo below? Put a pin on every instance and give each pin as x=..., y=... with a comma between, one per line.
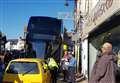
x=13, y=41
x=43, y=25
x=28, y=60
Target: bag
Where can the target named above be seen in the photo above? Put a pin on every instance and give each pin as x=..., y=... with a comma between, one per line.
x=65, y=65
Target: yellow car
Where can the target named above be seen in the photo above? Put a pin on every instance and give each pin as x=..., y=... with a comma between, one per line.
x=27, y=71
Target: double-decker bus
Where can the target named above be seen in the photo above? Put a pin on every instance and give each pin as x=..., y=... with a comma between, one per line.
x=45, y=31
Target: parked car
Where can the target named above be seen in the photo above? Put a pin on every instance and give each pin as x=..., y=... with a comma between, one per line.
x=27, y=71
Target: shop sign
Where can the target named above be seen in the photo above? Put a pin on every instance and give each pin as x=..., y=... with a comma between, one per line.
x=102, y=11
x=99, y=10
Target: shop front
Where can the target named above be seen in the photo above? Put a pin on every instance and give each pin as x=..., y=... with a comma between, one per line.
x=110, y=32
x=102, y=25
x=97, y=38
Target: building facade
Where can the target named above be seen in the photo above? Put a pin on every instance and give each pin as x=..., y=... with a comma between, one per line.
x=76, y=36
x=3, y=40
x=98, y=21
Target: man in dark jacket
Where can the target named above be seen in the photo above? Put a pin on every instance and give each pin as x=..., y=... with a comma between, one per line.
x=104, y=68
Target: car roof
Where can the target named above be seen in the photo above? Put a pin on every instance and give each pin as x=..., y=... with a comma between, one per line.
x=27, y=60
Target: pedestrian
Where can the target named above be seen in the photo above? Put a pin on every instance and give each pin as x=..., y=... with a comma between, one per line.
x=7, y=58
x=64, y=66
x=71, y=68
x=104, y=67
x=53, y=69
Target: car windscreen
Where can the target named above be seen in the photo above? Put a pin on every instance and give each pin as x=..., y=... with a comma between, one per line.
x=23, y=68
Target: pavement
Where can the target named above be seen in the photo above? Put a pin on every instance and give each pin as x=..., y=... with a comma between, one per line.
x=84, y=81
x=60, y=80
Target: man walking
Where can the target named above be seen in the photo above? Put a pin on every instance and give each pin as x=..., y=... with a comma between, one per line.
x=104, y=68
x=53, y=68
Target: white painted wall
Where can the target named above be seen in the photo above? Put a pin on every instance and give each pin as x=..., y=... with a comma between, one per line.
x=82, y=6
x=84, y=55
x=94, y=2
x=8, y=46
x=87, y=6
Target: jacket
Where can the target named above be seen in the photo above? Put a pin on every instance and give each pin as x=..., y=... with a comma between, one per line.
x=103, y=70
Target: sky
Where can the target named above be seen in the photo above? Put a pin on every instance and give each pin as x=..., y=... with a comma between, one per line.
x=14, y=14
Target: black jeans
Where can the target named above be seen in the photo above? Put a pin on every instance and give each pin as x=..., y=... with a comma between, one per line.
x=66, y=75
x=54, y=75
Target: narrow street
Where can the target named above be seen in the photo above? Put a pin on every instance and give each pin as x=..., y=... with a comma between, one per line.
x=78, y=39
